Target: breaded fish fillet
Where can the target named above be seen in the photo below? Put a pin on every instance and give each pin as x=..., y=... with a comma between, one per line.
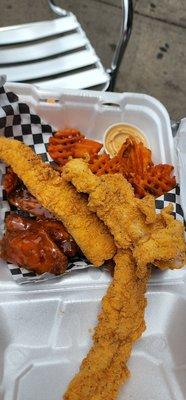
x=164, y=247
x=121, y=322
x=60, y=198
x=157, y=239
x=112, y=198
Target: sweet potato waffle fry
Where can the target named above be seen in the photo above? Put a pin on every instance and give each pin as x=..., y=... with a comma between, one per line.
x=132, y=158
x=134, y=162
x=71, y=143
x=156, y=180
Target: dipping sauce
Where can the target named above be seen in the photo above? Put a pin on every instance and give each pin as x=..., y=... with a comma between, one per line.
x=117, y=134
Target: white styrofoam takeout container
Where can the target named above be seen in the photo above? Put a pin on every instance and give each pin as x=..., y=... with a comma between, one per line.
x=46, y=330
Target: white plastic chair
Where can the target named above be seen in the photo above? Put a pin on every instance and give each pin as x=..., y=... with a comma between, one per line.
x=57, y=53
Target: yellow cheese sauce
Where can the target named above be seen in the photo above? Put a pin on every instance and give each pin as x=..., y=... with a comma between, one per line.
x=117, y=134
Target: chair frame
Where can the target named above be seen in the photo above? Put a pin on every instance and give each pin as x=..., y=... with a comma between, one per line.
x=125, y=33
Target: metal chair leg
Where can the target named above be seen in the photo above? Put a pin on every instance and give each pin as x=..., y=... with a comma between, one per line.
x=125, y=32
x=56, y=9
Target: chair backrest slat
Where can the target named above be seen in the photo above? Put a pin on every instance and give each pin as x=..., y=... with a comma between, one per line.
x=35, y=70
x=89, y=78
x=37, y=51
x=37, y=30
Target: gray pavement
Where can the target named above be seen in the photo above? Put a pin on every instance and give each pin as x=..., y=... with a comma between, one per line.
x=155, y=61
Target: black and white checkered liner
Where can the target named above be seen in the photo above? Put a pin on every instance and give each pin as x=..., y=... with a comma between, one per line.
x=18, y=121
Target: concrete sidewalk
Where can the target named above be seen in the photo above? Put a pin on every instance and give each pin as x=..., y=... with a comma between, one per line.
x=155, y=61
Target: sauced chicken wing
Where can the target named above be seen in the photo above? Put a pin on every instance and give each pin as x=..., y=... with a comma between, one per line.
x=19, y=196
x=53, y=228
x=39, y=245
x=33, y=249
x=60, y=236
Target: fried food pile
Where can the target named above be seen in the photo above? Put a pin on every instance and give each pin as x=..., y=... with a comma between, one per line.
x=107, y=221
x=133, y=222
x=133, y=161
x=36, y=241
x=142, y=238
x=61, y=199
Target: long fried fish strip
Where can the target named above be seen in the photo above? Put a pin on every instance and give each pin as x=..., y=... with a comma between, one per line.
x=112, y=198
x=60, y=198
x=121, y=322
x=157, y=239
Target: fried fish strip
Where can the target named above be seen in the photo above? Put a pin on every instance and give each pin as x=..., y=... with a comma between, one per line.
x=121, y=322
x=157, y=239
x=112, y=198
x=164, y=247
x=60, y=198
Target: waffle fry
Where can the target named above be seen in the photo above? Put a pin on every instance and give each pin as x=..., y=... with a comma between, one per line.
x=132, y=158
x=134, y=162
x=100, y=164
x=157, y=180
x=71, y=143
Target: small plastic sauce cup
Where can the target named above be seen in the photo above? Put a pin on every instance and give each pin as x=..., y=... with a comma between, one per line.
x=117, y=134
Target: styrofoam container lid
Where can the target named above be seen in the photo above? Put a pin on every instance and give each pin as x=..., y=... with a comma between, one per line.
x=46, y=331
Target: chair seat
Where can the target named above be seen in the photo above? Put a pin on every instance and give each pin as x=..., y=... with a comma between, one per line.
x=51, y=54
